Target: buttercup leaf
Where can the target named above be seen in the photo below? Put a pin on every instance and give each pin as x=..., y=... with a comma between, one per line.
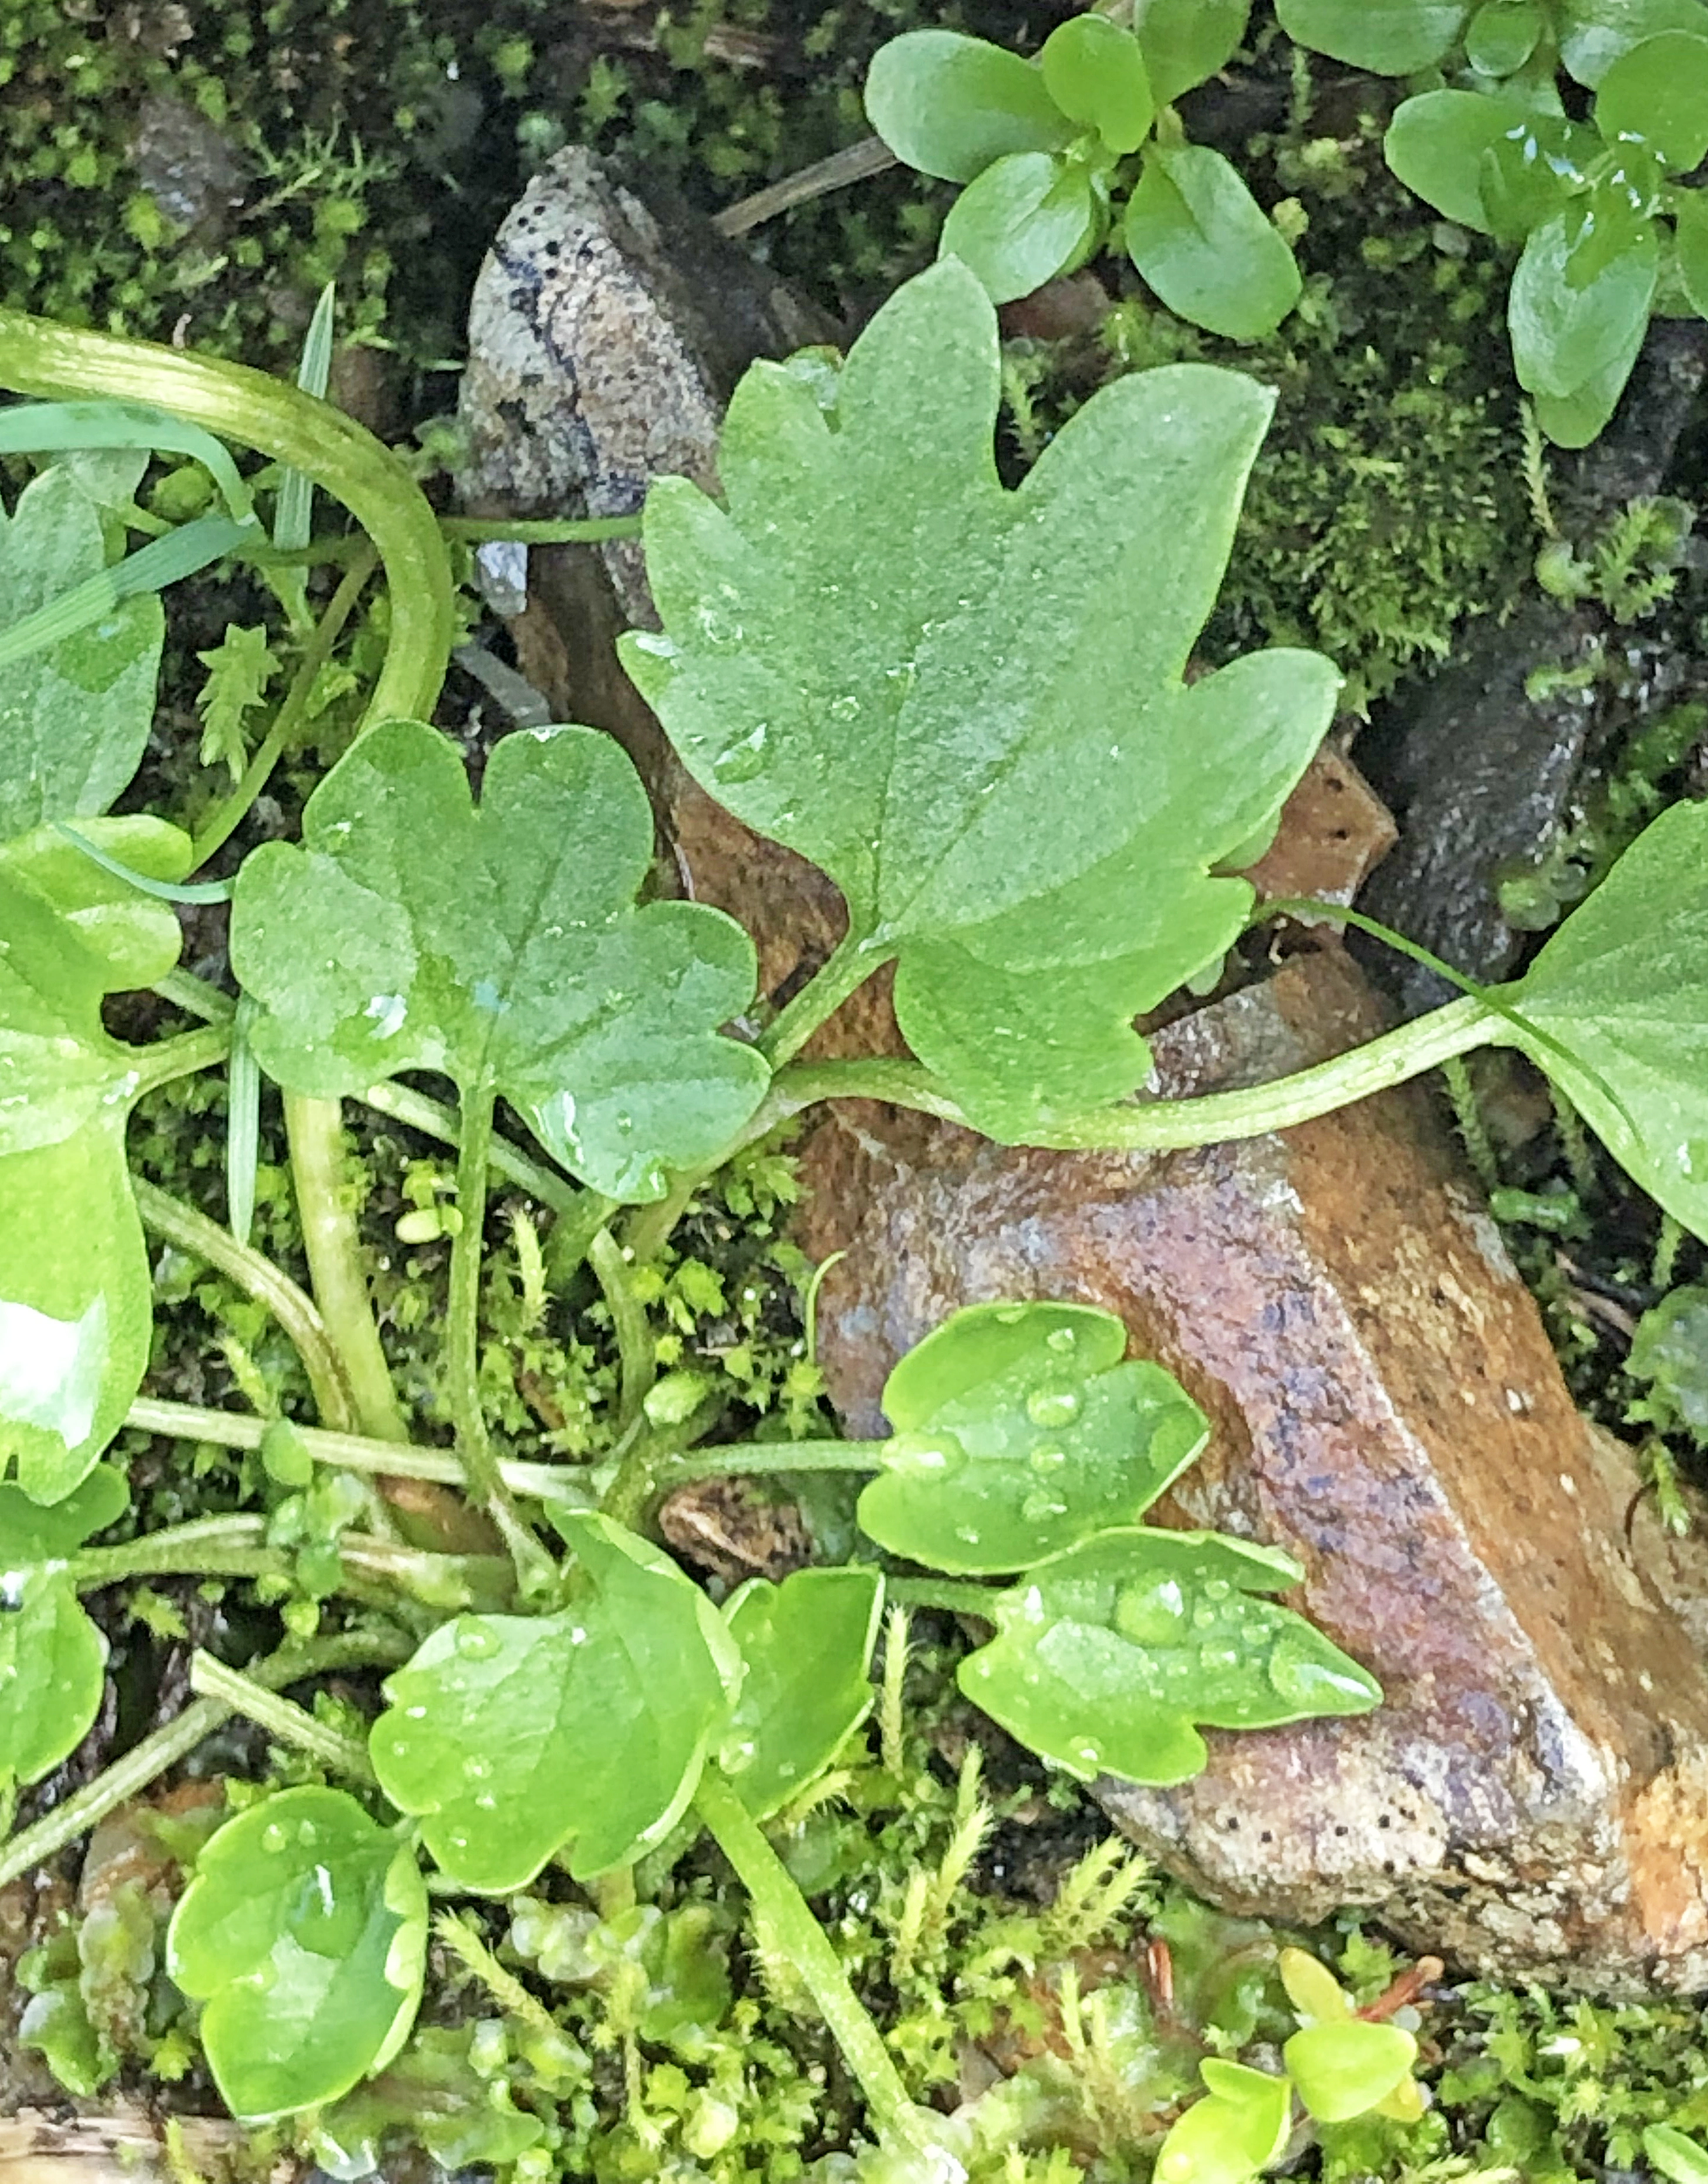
x=510, y=1736
x=304, y=1933
x=881, y=657
x=74, y=715
x=807, y=1646
x=1614, y=1009
x=501, y=945
x=1104, y=1660
x=1019, y=1433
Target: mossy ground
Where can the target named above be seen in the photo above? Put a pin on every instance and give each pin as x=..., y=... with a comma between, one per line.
x=208, y=170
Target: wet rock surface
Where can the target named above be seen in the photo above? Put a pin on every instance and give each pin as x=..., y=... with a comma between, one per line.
x=1534, y=1799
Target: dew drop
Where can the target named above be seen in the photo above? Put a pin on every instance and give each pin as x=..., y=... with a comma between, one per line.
x=1052, y=1407
x=845, y=708
x=273, y=1838
x=476, y=1641
x=1045, y=1458
x=1151, y=1611
x=1009, y=1315
x=743, y=759
x=1039, y=1507
x=968, y=1534
x=932, y=1455
x=1217, y=1588
x=1084, y=1750
x=1061, y=1338
x=1217, y=1660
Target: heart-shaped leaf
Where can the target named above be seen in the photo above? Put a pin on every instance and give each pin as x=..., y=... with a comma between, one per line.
x=510, y=1736
x=1104, y=1660
x=1018, y=1434
x=53, y=1659
x=1614, y=1009
x=1202, y=241
x=1344, y=2070
x=303, y=1931
x=1235, y=2131
x=807, y=1646
x=74, y=715
x=502, y=946
x=882, y=658
x=948, y=105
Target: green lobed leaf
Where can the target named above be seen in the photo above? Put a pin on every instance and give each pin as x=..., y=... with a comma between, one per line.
x=1020, y=1433
x=74, y=715
x=304, y=1933
x=1502, y=34
x=807, y=1646
x=1594, y=33
x=1104, y=1660
x=1389, y=37
x=1566, y=329
x=1614, y=1010
x=1095, y=71
x=1236, y=2131
x=1205, y=245
x=512, y=1736
x=30, y=1533
x=501, y=945
x=948, y=105
x=1343, y=2070
x=1658, y=91
x=135, y=938
x=1436, y=142
x=1186, y=42
x=879, y=656
x=53, y=1659
x=1028, y=217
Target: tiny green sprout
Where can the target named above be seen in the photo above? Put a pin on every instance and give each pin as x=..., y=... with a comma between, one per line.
x=1342, y=2066
x=1042, y=148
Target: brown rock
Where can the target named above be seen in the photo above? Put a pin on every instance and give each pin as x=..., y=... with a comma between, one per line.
x=1533, y=1799
x=1334, y=831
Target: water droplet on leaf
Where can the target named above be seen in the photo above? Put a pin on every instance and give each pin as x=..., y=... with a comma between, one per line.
x=1052, y=1407
x=1151, y=1611
x=476, y=1641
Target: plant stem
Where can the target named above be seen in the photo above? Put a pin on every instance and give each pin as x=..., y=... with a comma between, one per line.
x=332, y=1247
x=286, y=1722
x=211, y=1547
x=954, y=1595
x=351, y=1453
x=196, y=997
x=634, y=1344
x=462, y=1319
x=146, y=1761
x=850, y=964
x=230, y=814
x=792, y=1932
x=258, y=1278
x=739, y=1459
x=182, y=1055
x=433, y=1119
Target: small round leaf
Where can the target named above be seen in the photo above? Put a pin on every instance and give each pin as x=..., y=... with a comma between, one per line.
x=948, y=105
x=304, y=1933
x=1593, y=33
x=1202, y=243
x=1186, y=42
x=1567, y=328
x=1343, y=2070
x=1691, y=220
x=1019, y=1433
x=1095, y=73
x=1502, y=36
x=1237, y=2129
x=1436, y=142
x=1658, y=92
x=1028, y=217
x=53, y=1660
x=1389, y=37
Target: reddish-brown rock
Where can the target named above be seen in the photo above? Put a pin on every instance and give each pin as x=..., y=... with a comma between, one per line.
x=1533, y=1798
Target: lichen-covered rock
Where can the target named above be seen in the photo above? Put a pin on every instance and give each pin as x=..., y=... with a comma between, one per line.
x=1533, y=1799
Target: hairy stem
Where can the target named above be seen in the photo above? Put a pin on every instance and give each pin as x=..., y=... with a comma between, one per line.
x=739, y=1459
x=183, y=1055
x=145, y=1762
x=288, y=1724
x=258, y=1278
x=462, y=1321
x=211, y=1547
x=634, y=1344
x=792, y=1932
x=955, y=1596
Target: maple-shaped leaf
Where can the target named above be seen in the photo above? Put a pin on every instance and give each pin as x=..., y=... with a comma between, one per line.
x=503, y=947
x=968, y=704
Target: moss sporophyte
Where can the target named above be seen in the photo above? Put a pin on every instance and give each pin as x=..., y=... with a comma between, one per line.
x=876, y=653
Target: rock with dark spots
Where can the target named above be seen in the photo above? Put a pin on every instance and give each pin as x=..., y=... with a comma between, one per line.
x=187, y=166
x=1334, y=831
x=1480, y=774
x=1533, y=1798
